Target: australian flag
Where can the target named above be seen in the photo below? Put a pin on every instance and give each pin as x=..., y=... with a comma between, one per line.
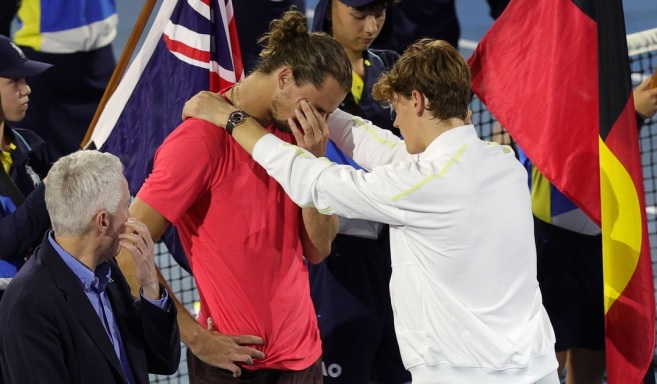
x=192, y=46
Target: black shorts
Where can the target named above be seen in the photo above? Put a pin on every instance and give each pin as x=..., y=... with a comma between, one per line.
x=350, y=290
x=571, y=281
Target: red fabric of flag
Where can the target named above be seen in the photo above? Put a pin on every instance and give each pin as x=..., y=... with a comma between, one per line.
x=555, y=73
x=192, y=46
x=536, y=71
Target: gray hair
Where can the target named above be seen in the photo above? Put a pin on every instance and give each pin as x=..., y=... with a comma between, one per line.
x=79, y=186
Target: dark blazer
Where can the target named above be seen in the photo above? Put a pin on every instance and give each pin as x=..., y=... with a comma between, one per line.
x=50, y=333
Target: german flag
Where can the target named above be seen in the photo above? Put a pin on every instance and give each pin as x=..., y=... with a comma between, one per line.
x=555, y=73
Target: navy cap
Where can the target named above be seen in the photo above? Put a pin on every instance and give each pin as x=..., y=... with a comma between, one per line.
x=13, y=62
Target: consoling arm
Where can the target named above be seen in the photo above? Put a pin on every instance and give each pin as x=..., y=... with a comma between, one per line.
x=213, y=108
x=308, y=180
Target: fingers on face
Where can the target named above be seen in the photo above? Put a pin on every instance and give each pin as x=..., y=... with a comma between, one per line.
x=135, y=238
x=310, y=112
x=137, y=245
x=296, y=131
x=310, y=119
x=303, y=121
x=131, y=247
x=136, y=227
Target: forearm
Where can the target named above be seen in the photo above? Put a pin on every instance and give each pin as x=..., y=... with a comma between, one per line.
x=190, y=330
x=156, y=225
x=248, y=133
x=213, y=108
x=320, y=230
x=367, y=144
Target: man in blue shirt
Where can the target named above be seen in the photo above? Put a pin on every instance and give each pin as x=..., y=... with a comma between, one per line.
x=69, y=308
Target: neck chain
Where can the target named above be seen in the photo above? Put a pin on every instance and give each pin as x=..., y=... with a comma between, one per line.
x=235, y=95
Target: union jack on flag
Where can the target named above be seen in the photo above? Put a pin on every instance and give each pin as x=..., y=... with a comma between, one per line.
x=192, y=46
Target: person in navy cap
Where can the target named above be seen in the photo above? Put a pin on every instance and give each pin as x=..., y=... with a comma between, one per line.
x=76, y=36
x=350, y=288
x=25, y=162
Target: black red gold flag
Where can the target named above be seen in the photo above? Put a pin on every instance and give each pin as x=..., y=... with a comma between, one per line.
x=555, y=73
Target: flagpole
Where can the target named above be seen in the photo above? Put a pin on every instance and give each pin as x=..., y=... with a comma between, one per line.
x=121, y=66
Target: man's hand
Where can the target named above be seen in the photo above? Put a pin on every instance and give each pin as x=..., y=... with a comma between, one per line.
x=311, y=131
x=208, y=106
x=224, y=351
x=645, y=99
x=137, y=240
x=211, y=347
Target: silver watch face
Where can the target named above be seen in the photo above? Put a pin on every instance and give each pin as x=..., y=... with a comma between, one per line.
x=237, y=117
x=234, y=119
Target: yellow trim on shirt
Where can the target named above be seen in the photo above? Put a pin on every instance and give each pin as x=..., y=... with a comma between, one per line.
x=373, y=132
x=6, y=159
x=358, y=84
x=429, y=178
x=29, y=34
x=541, y=196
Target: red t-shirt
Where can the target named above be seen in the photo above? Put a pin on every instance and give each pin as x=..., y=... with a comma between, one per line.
x=241, y=234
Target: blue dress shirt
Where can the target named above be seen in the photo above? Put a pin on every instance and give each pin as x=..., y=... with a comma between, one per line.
x=94, y=284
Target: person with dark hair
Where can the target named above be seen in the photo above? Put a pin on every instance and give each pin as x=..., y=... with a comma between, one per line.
x=350, y=288
x=76, y=37
x=466, y=300
x=68, y=315
x=245, y=239
x=25, y=162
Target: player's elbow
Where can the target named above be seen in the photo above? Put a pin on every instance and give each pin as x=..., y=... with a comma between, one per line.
x=317, y=257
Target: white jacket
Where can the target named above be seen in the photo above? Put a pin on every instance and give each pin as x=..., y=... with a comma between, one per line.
x=464, y=292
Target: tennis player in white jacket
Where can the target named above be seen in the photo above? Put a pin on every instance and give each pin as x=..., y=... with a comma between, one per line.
x=467, y=304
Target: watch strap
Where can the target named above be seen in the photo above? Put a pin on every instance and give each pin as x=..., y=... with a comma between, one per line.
x=234, y=119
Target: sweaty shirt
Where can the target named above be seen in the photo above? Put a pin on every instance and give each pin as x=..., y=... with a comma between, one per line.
x=240, y=232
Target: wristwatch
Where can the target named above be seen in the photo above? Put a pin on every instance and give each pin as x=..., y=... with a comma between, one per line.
x=234, y=119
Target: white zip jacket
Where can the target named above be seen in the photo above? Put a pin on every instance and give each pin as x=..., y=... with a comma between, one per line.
x=464, y=292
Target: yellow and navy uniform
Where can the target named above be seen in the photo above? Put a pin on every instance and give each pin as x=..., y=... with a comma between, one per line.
x=66, y=26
